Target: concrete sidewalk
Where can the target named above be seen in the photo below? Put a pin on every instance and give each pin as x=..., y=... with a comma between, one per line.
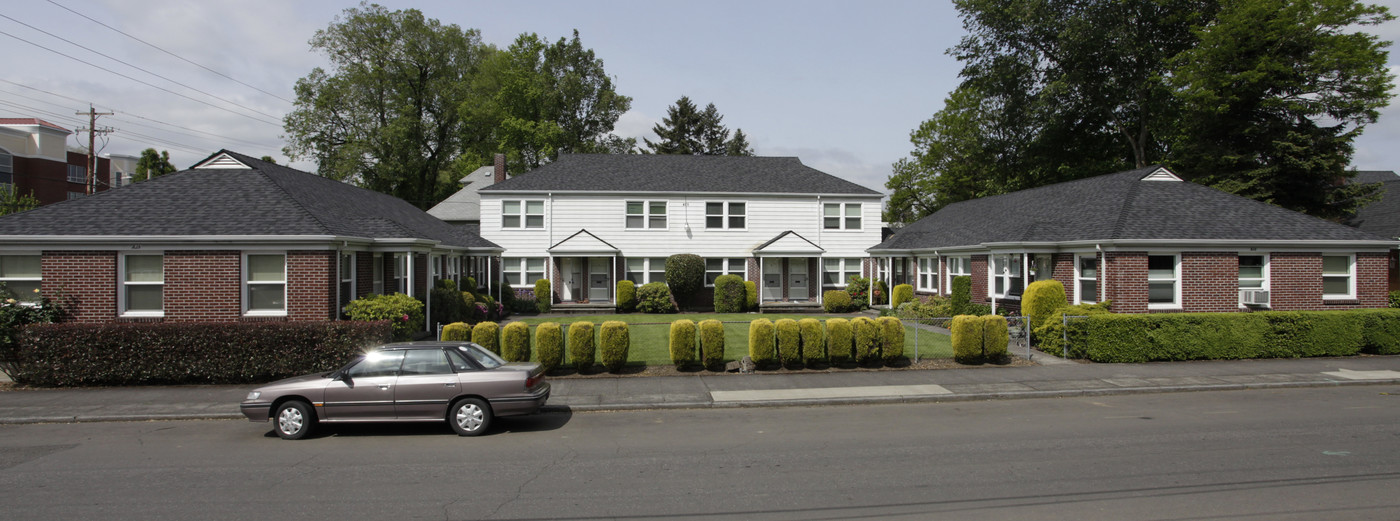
x=708, y=390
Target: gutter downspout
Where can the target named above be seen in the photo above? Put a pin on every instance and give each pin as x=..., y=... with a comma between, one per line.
x=1103, y=270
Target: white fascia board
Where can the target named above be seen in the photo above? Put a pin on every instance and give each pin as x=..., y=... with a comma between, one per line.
x=1177, y=245
x=639, y=193
x=92, y=242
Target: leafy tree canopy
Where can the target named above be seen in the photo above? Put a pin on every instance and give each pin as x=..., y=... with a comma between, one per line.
x=687, y=130
x=152, y=164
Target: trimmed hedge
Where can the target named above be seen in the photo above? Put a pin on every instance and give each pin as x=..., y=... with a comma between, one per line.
x=457, y=331
x=1041, y=298
x=995, y=336
x=967, y=339
x=581, y=350
x=1050, y=336
x=515, y=342
x=1381, y=331
x=616, y=342
x=1265, y=334
x=892, y=339
x=712, y=344
x=867, y=339
x=729, y=294
x=836, y=301
x=789, y=341
x=655, y=297
x=544, y=296
x=682, y=343
x=685, y=276
x=813, y=341
x=487, y=335
x=405, y=312
x=626, y=296
x=960, y=296
x=187, y=353
x=840, y=346
x=902, y=293
x=448, y=305
x=549, y=345
x=750, y=295
x=761, y=342
x=470, y=313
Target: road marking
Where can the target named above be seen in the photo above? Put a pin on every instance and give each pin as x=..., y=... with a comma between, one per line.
x=883, y=391
x=1222, y=412
x=1364, y=375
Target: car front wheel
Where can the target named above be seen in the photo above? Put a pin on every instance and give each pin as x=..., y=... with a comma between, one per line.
x=469, y=417
x=293, y=420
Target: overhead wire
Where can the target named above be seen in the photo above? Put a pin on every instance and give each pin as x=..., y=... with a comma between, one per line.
x=75, y=122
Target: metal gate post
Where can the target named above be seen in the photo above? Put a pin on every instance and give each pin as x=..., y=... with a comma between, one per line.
x=916, y=340
x=1065, y=332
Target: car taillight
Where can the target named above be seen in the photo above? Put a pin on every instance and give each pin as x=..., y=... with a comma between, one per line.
x=532, y=381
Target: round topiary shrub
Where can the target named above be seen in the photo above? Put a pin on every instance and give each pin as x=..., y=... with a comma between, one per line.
x=655, y=297
x=712, y=344
x=813, y=341
x=544, y=297
x=789, y=341
x=685, y=275
x=902, y=293
x=750, y=295
x=457, y=331
x=616, y=342
x=836, y=301
x=892, y=339
x=487, y=335
x=626, y=296
x=839, y=341
x=967, y=339
x=515, y=342
x=867, y=339
x=682, y=343
x=762, y=349
x=995, y=336
x=581, y=349
x=729, y=294
x=549, y=345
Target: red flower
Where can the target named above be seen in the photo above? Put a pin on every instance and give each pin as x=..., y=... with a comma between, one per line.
x=405, y=318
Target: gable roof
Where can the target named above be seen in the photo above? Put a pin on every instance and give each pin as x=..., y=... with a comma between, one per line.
x=31, y=122
x=677, y=173
x=231, y=194
x=1382, y=217
x=583, y=241
x=1375, y=176
x=1126, y=207
x=465, y=204
x=789, y=243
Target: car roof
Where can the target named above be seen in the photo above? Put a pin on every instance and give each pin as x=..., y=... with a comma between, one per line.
x=420, y=345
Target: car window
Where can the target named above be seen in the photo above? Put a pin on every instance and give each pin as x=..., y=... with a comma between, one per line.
x=459, y=362
x=425, y=361
x=483, y=357
x=377, y=363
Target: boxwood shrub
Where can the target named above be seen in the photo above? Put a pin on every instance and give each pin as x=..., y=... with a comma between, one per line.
x=729, y=294
x=867, y=339
x=685, y=276
x=995, y=336
x=549, y=345
x=1050, y=336
x=515, y=342
x=892, y=339
x=839, y=341
x=544, y=296
x=813, y=341
x=626, y=296
x=487, y=335
x=789, y=341
x=1041, y=298
x=712, y=344
x=405, y=312
x=655, y=297
x=1381, y=328
x=750, y=295
x=457, y=331
x=581, y=349
x=836, y=301
x=762, y=348
x=1266, y=334
x=960, y=294
x=902, y=293
x=69, y=354
x=616, y=342
x=967, y=339
x=682, y=343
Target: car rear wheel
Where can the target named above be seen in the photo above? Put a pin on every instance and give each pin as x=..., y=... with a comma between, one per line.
x=293, y=420
x=469, y=417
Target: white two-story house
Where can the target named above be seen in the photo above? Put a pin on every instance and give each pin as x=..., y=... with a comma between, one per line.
x=587, y=221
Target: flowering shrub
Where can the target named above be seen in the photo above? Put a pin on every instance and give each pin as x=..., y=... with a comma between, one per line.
x=404, y=311
x=859, y=288
x=14, y=315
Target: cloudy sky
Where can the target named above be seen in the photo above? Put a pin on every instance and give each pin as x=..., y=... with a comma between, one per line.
x=838, y=86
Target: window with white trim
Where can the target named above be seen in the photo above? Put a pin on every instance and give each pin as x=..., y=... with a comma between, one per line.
x=899, y=271
x=265, y=284
x=838, y=272
x=1254, y=272
x=523, y=271
x=1086, y=279
x=347, y=277
x=646, y=215
x=1337, y=279
x=400, y=278
x=1163, y=281
x=928, y=274
x=21, y=276
x=841, y=216
x=1007, y=281
x=142, y=282
x=7, y=168
x=642, y=270
x=378, y=274
x=731, y=266
x=435, y=267
x=958, y=267
x=527, y=214
x=77, y=174
x=719, y=216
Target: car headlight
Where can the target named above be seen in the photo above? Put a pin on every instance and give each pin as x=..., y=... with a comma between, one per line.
x=253, y=395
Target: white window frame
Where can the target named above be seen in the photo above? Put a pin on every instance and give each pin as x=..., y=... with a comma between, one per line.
x=520, y=267
x=1176, y=282
x=1014, y=268
x=649, y=268
x=843, y=270
x=725, y=269
x=347, y=277
x=963, y=267
x=378, y=286
x=401, y=277
x=77, y=174
x=648, y=216
x=123, y=284
x=286, y=290
x=727, y=215
x=1079, y=279
x=7, y=168
x=843, y=216
x=1350, y=276
x=523, y=215
x=26, y=297
x=928, y=276
x=1264, y=276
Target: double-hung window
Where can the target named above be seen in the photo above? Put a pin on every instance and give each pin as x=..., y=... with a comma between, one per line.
x=928, y=274
x=77, y=174
x=1337, y=279
x=378, y=288
x=1006, y=276
x=7, y=169
x=347, y=278
x=1163, y=281
x=522, y=214
x=838, y=272
x=719, y=216
x=1086, y=279
x=265, y=284
x=142, y=283
x=841, y=216
x=401, y=267
x=523, y=271
x=646, y=215
x=958, y=267
x=21, y=276
x=716, y=267
x=642, y=270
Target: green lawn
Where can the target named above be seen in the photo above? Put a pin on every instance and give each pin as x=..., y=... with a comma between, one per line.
x=649, y=334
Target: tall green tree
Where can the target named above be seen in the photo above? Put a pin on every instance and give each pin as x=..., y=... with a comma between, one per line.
x=12, y=201
x=686, y=130
x=152, y=164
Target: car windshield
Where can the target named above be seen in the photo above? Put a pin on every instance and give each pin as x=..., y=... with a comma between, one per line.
x=486, y=358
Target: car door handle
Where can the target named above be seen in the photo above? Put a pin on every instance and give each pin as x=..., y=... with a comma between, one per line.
x=383, y=386
x=451, y=384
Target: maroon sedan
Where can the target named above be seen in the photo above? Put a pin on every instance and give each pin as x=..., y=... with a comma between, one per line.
x=457, y=382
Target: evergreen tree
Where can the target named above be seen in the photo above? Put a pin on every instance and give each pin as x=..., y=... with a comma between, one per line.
x=152, y=164
x=688, y=131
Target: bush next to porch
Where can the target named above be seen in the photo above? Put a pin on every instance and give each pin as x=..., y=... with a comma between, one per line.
x=682, y=343
x=967, y=339
x=858, y=288
x=655, y=297
x=1265, y=334
x=813, y=341
x=626, y=296
x=544, y=296
x=457, y=331
x=515, y=342
x=448, y=305
x=839, y=341
x=712, y=344
x=549, y=345
x=892, y=339
x=761, y=342
x=729, y=294
x=581, y=349
x=685, y=275
x=902, y=293
x=789, y=341
x=487, y=335
x=836, y=301
x=960, y=296
x=1041, y=299
x=405, y=312
x=616, y=342
x=750, y=295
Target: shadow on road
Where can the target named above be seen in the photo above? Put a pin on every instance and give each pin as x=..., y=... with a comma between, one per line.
x=533, y=423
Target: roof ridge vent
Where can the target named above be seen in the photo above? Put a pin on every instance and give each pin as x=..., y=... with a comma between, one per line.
x=1161, y=174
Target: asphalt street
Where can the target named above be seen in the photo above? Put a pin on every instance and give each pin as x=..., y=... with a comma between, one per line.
x=1309, y=453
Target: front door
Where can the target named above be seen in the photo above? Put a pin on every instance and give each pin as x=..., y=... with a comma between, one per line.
x=772, y=279
x=599, y=279
x=366, y=391
x=572, y=270
x=797, y=279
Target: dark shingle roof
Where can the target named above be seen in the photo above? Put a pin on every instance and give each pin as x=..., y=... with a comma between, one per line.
x=1375, y=176
x=673, y=173
x=1117, y=206
x=1382, y=217
x=265, y=199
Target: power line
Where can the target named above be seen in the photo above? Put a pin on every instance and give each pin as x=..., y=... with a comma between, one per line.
x=154, y=46
x=100, y=53
x=148, y=84
x=75, y=123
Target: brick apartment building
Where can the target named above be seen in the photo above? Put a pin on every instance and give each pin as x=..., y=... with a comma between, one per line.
x=35, y=160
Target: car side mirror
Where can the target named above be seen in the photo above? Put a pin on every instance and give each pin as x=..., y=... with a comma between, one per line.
x=344, y=377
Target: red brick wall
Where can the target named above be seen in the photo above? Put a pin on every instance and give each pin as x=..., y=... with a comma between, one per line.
x=86, y=282
x=311, y=282
x=203, y=286
x=1063, y=270
x=1210, y=281
x=979, y=279
x=1124, y=281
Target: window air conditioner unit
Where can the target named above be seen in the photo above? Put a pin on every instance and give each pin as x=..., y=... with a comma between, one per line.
x=1254, y=297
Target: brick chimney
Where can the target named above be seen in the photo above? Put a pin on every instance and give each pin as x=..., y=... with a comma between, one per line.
x=500, y=167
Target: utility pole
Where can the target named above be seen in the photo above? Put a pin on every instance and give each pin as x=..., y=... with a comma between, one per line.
x=93, y=131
